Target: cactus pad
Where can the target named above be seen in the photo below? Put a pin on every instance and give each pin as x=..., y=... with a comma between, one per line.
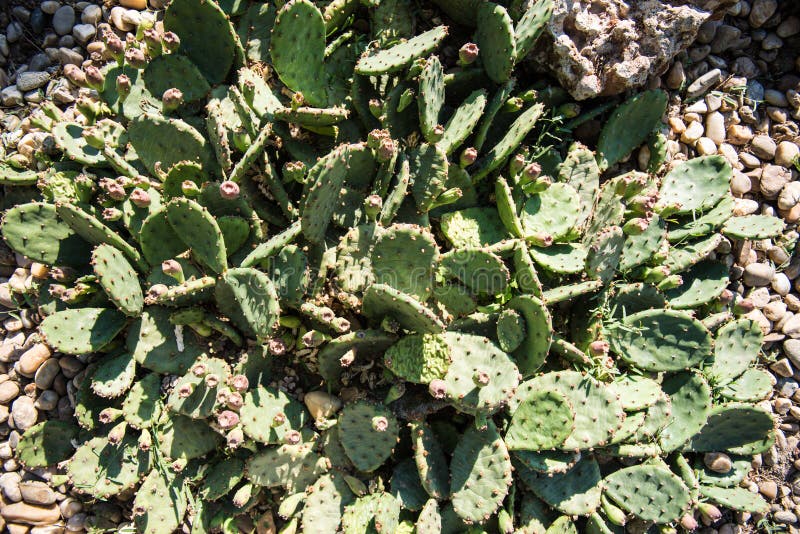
x=480, y=474
x=34, y=231
x=544, y=420
x=662, y=340
x=696, y=185
x=419, y=358
x=118, y=279
x=268, y=414
x=576, y=492
x=47, y=443
x=248, y=298
x=629, y=126
x=368, y=433
x=650, y=493
x=401, y=55
x=81, y=331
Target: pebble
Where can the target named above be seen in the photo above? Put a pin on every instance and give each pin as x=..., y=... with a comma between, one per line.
x=9, y=486
x=718, y=462
x=32, y=359
x=792, y=349
x=46, y=374
x=28, y=81
x=763, y=147
x=761, y=11
x=692, y=133
x=11, y=96
x=134, y=4
x=30, y=514
x=92, y=14
x=9, y=390
x=786, y=153
x=83, y=32
x=35, y=492
x=49, y=7
x=768, y=488
x=715, y=127
x=758, y=274
x=782, y=285
x=116, y=18
x=789, y=27
x=784, y=517
x=789, y=196
x=773, y=179
x=24, y=413
x=782, y=368
x=740, y=183
x=64, y=20
x=14, y=32
x=739, y=134
x=705, y=146
x=704, y=83
x=67, y=56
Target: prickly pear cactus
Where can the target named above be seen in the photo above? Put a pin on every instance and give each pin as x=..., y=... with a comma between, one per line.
x=333, y=260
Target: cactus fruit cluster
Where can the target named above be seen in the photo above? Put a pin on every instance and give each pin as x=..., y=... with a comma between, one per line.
x=490, y=327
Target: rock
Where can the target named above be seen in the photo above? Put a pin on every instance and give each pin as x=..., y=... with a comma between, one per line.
x=67, y=56
x=91, y=14
x=606, y=47
x=768, y=488
x=705, y=147
x=32, y=359
x=715, y=127
x=50, y=6
x=792, y=349
x=24, y=413
x=35, y=492
x=740, y=183
x=63, y=20
x=704, y=83
x=763, y=147
x=321, y=405
x=9, y=390
x=9, y=486
x=789, y=27
x=785, y=517
x=739, y=134
x=14, y=32
x=789, y=196
x=692, y=133
x=761, y=11
x=11, y=96
x=676, y=76
x=773, y=179
x=792, y=327
x=28, y=81
x=718, y=462
x=782, y=368
x=83, y=32
x=116, y=18
x=134, y=4
x=758, y=274
x=786, y=153
x=781, y=284
x=30, y=514
x=46, y=374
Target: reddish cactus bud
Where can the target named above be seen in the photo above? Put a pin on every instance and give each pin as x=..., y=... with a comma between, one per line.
x=599, y=347
x=75, y=75
x=140, y=198
x=185, y=390
x=467, y=54
x=172, y=99
x=135, y=58
x=123, y=86
x=199, y=369
x=292, y=437
x=170, y=41
x=437, y=388
x=227, y=419
x=229, y=190
x=112, y=214
x=276, y=346
x=239, y=382
x=212, y=380
x=468, y=156
x=94, y=77
x=380, y=424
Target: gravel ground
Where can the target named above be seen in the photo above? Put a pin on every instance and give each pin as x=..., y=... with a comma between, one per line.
x=735, y=91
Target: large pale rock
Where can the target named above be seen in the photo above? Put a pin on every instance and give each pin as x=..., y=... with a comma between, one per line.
x=604, y=47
